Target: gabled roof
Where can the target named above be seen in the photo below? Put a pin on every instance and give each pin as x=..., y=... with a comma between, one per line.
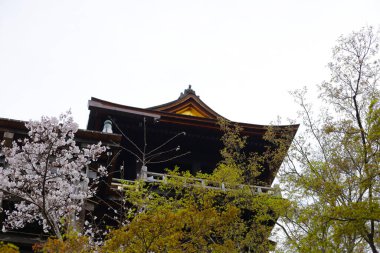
x=188, y=103
x=187, y=110
x=188, y=113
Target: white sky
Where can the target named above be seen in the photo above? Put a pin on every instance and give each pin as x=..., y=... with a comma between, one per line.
x=241, y=57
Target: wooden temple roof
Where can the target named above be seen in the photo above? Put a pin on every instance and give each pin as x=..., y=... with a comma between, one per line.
x=189, y=114
x=187, y=110
x=18, y=127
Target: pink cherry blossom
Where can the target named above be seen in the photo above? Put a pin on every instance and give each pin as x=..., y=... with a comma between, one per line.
x=45, y=175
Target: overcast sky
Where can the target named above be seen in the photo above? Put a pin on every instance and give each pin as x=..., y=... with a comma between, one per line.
x=241, y=57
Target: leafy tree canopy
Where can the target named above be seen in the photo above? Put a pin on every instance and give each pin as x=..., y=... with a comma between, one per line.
x=332, y=173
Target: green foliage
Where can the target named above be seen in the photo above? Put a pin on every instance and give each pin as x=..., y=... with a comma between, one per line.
x=185, y=214
x=173, y=218
x=70, y=242
x=236, y=167
x=332, y=173
x=8, y=248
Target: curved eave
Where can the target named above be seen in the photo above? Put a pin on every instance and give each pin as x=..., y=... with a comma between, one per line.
x=96, y=104
x=18, y=126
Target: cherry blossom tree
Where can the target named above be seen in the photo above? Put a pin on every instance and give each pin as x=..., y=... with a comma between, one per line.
x=45, y=175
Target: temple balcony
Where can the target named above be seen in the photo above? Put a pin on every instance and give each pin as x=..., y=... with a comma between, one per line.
x=153, y=177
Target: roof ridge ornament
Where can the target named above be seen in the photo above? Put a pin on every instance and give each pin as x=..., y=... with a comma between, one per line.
x=187, y=92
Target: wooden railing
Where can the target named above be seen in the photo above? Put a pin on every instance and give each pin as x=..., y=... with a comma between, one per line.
x=153, y=177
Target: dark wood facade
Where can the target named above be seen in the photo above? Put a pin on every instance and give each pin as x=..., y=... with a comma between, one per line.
x=187, y=114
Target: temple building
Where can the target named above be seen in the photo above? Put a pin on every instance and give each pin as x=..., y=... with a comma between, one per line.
x=143, y=143
x=187, y=126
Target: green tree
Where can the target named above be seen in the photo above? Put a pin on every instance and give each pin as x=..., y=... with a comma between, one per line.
x=71, y=242
x=8, y=248
x=216, y=212
x=332, y=173
x=173, y=218
x=202, y=213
